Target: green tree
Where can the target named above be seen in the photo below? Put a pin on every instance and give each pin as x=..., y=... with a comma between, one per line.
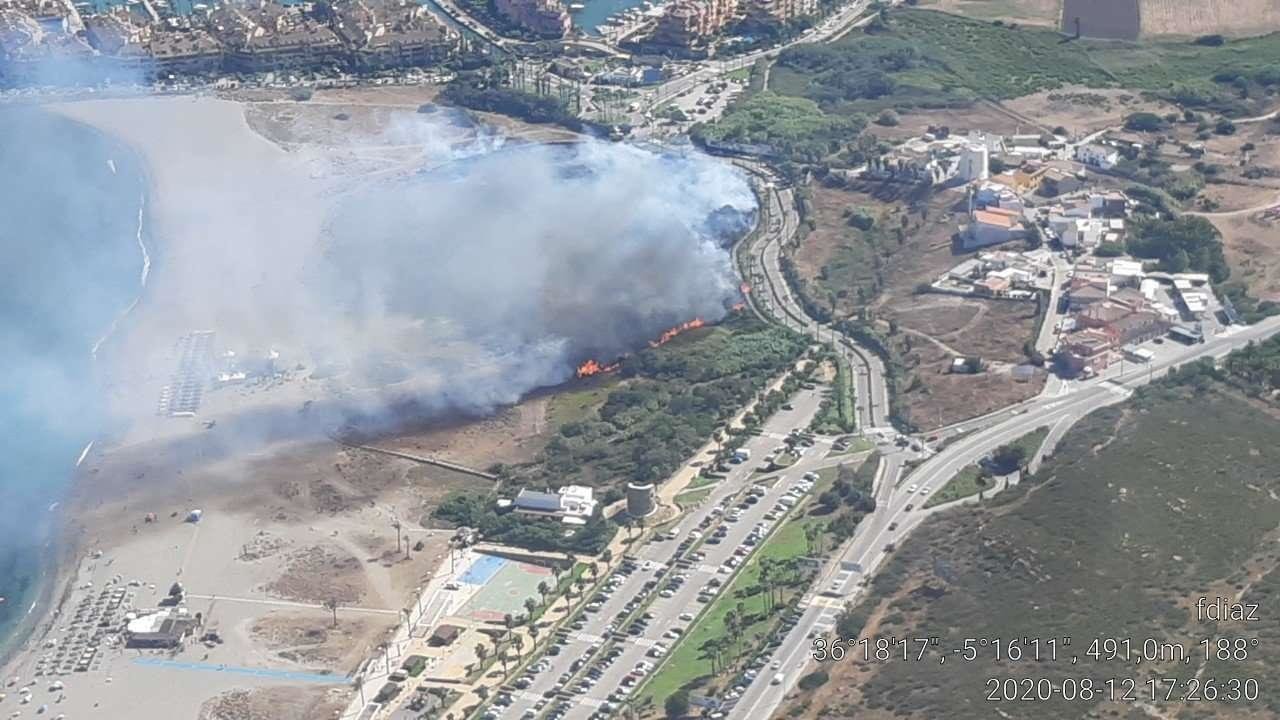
x=677, y=704
x=1008, y=458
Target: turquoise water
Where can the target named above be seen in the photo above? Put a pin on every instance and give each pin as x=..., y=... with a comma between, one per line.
x=71, y=265
x=597, y=11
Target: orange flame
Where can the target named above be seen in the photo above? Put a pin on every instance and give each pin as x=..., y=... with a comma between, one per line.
x=591, y=367
x=739, y=307
x=745, y=288
x=666, y=336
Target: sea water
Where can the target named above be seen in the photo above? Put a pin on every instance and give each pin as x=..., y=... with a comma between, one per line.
x=71, y=264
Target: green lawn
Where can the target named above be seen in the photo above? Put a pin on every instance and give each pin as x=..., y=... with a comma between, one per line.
x=689, y=498
x=966, y=482
x=937, y=59
x=857, y=445
x=702, y=481
x=580, y=404
x=837, y=414
x=686, y=661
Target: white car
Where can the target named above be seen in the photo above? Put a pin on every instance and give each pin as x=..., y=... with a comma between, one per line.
x=912, y=488
x=925, y=490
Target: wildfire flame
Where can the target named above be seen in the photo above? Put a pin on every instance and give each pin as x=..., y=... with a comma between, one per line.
x=666, y=336
x=595, y=367
x=739, y=307
x=591, y=367
x=745, y=288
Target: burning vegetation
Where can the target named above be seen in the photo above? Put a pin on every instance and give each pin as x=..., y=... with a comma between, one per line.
x=591, y=367
x=668, y=335
x=594, y=367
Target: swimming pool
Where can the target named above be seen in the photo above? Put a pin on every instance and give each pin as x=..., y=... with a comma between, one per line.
x=483, y=570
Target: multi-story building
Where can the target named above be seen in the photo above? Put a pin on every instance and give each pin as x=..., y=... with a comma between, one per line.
x=1090, y=348
x=47, y=42
x=1099, y=156
x=266, y=36
x=542, y=17
x=781, y=11
x=184, y=51
x=689, y=27
x=392, y=33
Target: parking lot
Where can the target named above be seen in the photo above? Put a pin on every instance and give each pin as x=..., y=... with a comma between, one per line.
x=646, y=604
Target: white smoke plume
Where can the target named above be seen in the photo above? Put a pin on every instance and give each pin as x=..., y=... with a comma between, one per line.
x=500, y=274
x=492, y=271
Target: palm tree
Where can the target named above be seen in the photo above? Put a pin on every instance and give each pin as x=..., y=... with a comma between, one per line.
x=543, y=589
x=711, y=651
x=533, y=632
x=518, y=641
x=556, y=570
x=332, y=605
x=766, y=581
x=732, y=621
x=509, y=622
x=530, y=605
x=591, y=570
x=607, y=556
x=482, y=652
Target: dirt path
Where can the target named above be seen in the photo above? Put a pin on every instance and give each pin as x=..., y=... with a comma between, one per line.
x=977, y=317
x=924, y=336
x=1273, y=204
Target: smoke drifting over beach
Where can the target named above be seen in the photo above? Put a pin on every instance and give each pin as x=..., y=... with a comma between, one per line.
x=484, y=274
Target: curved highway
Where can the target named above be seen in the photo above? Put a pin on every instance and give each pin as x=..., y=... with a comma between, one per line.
x=899, y=511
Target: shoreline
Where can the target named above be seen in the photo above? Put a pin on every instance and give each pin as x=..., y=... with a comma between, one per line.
x=141, y=462
x=59, y=551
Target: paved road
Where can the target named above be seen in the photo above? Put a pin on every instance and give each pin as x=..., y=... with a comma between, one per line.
x=654, y=559
x=834, y=26
x=867, y=551
x=772, y=292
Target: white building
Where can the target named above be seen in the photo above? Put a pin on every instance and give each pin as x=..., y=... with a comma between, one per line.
x=573, y=504
x=975, y=163
x=1098, y=156
x=1082, y=232
x=1126, y=273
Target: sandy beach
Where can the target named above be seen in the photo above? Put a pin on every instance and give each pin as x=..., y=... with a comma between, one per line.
x=290, y=520
x=232, y=500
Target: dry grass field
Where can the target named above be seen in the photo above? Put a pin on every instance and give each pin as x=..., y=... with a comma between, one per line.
x=1202, y=17
x=1029, y=12
x=1131, y=19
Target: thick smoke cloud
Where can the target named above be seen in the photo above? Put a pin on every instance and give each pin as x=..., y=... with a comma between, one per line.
x=499, y=273
x=458, y=281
